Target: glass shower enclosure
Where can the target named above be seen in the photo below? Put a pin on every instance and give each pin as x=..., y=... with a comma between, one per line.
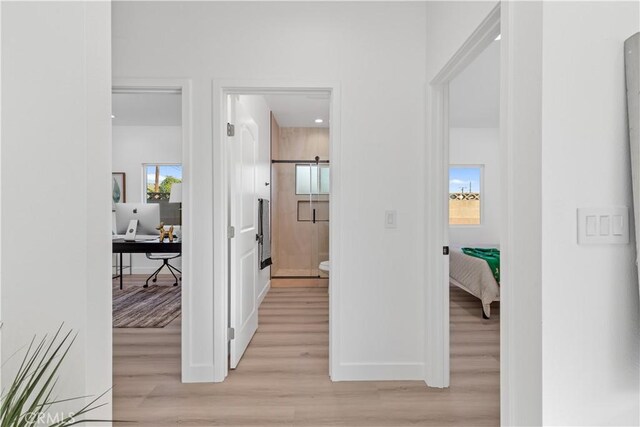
x=300, y=217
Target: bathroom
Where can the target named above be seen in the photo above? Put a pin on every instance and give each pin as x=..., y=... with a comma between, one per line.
x=300, y=171
x=279, y=220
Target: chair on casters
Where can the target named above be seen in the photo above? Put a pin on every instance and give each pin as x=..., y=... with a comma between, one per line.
x=165, y=263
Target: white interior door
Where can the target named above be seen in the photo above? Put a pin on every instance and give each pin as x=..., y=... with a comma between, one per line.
x=243, y=314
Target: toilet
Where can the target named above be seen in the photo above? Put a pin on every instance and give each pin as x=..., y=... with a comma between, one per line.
x=324, y=266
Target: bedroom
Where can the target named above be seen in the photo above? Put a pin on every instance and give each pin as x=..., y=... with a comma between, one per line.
x=474, y=206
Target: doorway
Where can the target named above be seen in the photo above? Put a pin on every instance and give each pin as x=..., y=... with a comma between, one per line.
x=474, y=215
x=150, y=146
x=470, y=206
x=279, y=189
x=299, y=191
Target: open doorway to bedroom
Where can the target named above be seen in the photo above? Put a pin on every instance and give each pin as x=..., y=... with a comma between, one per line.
x=474, y=215
x=467, y=113
x=474, y=212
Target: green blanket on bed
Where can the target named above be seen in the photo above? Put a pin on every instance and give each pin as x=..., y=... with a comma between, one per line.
x=490, y=255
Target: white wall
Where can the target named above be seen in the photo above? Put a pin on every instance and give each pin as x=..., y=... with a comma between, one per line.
x=132, y=147
x=56, y=164
x=590, y=293
x=362, y=46
x=479, y=146
x=258, y=109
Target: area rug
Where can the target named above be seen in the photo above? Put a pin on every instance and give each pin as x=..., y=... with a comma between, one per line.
x=152, y=307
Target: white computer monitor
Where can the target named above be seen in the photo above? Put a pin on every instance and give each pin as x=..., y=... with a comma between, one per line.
x=147, y=214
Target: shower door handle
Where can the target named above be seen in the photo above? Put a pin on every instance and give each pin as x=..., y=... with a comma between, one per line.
x=314, y=216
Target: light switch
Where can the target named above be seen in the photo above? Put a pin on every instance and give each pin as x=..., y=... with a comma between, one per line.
x=391, y=219
x=592, y=225
x=618, y=225
x=601, y=226
x=605, y=229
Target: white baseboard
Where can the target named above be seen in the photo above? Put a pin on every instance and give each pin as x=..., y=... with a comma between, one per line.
x=264, y=292
x=197, y=374
x=379, y=372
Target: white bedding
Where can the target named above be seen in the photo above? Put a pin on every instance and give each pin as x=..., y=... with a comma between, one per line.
x=474, y=276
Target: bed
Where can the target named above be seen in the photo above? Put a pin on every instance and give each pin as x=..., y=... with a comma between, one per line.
x=474, y=276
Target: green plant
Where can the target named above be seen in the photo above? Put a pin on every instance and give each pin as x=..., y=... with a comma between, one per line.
x=29, y=400
x=165, y=185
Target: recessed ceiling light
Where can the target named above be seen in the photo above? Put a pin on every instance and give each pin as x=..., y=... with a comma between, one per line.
x=319, y=120
x=498, y=38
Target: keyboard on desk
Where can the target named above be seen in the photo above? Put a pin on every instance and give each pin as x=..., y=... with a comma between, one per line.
x=139, y=237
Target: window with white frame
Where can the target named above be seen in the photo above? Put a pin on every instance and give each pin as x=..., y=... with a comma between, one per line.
x=312, y=179
x=158, y=181
x=465, y=194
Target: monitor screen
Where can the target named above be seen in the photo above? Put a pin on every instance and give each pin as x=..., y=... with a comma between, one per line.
x=147, y=214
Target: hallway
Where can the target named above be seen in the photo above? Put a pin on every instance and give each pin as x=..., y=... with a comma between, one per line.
x=283, y=377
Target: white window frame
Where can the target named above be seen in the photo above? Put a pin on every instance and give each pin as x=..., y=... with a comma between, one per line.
x=469, y=166
x=320, y=167
x=144, y=175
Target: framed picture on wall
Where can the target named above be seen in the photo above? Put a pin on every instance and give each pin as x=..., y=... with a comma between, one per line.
x=118, y=187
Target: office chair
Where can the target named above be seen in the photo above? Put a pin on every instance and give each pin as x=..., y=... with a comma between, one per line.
x=165, y=263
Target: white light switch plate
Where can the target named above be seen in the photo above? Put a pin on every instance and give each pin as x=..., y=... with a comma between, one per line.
x=391, y=219
x=603, y=226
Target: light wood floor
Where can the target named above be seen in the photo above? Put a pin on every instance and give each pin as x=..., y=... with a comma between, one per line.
x=299, y=283
x=282, y=379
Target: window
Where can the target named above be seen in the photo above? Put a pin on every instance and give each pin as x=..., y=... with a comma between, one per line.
x=465, y=188
x=158, y=179
x=307, y=177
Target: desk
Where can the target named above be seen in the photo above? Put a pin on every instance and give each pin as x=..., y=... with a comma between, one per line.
x=121, y=247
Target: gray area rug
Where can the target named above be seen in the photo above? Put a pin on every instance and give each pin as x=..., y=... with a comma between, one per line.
x=153, y=307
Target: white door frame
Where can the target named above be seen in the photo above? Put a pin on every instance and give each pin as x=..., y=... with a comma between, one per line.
x=437, y=302
x=222, y=88
x=189, y=371
x=520, y=24
x=437, y=292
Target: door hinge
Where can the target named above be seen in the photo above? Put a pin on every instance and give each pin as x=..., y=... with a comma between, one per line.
x=445, y=250
x=231, y=333
x=231, y=129
x=232, y=232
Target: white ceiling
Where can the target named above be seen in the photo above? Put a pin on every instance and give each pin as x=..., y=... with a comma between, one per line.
x=474, y=95
x=299, y=110
x=147, y=109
